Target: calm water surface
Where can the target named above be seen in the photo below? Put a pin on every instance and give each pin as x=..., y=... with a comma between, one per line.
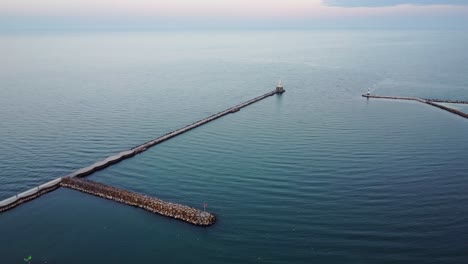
x=317, y=175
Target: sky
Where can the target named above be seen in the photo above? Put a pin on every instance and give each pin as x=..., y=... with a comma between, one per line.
x=147, y=14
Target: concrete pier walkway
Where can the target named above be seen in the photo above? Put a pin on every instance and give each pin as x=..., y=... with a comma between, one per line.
x=132, y=152
x=431, y=102
x=52, y=185
x=154, y=205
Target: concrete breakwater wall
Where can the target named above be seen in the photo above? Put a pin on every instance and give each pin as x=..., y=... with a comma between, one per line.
x=138, y=149
x=430, y=102
x=29, y=195
x=177, y=211
x=395, y=98
x=182, y=130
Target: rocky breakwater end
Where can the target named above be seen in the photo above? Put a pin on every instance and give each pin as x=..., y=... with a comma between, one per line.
x=154, y=205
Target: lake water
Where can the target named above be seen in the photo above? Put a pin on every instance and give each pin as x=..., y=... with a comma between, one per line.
x=317, y=175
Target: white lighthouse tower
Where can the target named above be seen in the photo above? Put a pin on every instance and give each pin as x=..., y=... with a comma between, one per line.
x=279, y=88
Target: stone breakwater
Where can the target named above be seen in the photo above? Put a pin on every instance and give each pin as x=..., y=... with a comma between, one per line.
x=154, y=205
x=431, y=102
x=449, y=109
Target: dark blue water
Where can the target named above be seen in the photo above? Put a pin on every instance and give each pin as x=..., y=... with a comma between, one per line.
x=317, y=175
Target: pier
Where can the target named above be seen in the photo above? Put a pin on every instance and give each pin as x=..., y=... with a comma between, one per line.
x=143, y=147
x=154, y=205
x=431, y=102
x=182, y=212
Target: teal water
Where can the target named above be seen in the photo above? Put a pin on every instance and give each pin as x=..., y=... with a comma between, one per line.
x=317, y=175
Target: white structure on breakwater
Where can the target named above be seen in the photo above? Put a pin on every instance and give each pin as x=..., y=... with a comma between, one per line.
x=279, y=87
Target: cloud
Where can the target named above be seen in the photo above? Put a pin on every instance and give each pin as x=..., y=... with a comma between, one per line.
x=185, y=8
x=380, y=3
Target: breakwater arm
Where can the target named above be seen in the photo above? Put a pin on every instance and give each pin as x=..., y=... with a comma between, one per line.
x=138, y=149
x=449, y=109
x=431, y=102
x=154, y=205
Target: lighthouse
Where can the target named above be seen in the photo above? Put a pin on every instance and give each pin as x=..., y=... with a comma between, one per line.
x=279, y=88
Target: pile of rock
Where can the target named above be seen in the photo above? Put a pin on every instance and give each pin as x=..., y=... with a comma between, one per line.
x=177, y=211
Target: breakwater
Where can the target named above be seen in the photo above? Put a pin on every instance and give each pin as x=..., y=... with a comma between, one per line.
x=431, y=102
x=83, y=172
x=154, y=205
x=447, y=101
x=141, y=148
x=449, y=109
x=29, y=195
